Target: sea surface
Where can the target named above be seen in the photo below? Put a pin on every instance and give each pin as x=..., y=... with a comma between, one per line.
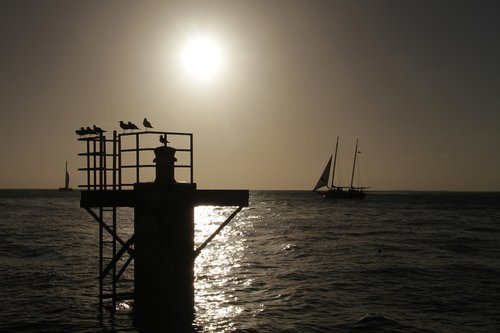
x=291, y=262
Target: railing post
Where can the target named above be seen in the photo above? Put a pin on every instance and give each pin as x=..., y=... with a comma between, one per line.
x=114, y=159
x=119, y=162
x=88, y=165
x=191, y=162
x=137, y=159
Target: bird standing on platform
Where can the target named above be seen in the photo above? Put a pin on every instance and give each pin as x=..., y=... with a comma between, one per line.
x=123, y=126
x=89, y=130
x=146, y=124
x=132, y=126
x=163, y=140
x=80, y=131
x=98, y=130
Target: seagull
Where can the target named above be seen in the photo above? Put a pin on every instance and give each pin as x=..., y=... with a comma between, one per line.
x=98, y=130
x=81, y=131
x=146, y=123
x=132, y=126
x=124, y=126
x=163, y=140
x=89, y=130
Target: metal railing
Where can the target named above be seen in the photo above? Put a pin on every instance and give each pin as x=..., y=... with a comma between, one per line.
x=107, y=160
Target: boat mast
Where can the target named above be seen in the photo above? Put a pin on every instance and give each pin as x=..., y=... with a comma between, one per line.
x=335, y=161
x=354, y=163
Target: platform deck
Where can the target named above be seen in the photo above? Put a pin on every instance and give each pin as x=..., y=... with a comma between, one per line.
x=130, y=198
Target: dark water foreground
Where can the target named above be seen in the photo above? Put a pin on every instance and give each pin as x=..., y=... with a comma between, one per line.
x=293, y=262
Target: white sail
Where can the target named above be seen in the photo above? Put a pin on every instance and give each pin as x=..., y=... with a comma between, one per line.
x=323, y=180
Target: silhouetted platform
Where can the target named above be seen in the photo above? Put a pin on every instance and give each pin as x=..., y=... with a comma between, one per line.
x=161, y=246
x=130, y=198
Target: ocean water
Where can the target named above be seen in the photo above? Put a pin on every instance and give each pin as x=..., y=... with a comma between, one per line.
x=292, y=262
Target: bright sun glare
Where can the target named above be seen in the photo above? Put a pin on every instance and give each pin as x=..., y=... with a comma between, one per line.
x=202, y=58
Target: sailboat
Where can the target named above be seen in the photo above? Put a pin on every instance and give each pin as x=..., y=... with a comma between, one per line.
x=66, y=181
x=339, y=191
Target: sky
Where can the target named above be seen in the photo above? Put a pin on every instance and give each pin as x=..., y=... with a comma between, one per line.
x=417, y=82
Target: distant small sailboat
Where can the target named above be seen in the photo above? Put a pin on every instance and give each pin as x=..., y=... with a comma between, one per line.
x=66, y=181
x=333, y=191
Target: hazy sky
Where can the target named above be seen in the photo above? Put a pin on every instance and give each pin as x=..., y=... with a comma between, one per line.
x=416, y=81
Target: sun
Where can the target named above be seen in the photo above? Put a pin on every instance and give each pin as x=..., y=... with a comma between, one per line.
x=202, y=58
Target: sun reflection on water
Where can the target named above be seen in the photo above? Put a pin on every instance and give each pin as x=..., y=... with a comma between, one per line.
x=218, y=269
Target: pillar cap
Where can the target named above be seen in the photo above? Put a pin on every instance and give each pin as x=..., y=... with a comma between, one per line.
x=164, y=152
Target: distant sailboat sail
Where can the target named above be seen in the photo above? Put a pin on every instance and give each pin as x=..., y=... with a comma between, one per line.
x=66, y=181
x=323, y=180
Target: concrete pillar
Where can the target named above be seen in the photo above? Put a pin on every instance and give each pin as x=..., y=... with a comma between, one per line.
x=164, y=248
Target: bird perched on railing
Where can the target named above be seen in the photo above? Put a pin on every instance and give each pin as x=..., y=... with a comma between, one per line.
x=146, y=123
x=132, y=126
x=163, y=140
x=123, y=126
x=81, y=131
x=89, y=130
x=98, y=130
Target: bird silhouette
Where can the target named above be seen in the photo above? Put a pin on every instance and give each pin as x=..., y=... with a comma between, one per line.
x=132, y=126
x=124, y=126
x=163, y=140
x=98, y=130
x=80, y=131
x=89, y=130
x=146, y=123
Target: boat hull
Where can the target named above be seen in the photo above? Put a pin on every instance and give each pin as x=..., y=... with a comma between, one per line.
x=341, y=194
